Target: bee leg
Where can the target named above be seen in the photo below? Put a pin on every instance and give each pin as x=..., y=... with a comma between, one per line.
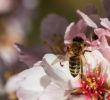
x=61, y=64
x=86, y=51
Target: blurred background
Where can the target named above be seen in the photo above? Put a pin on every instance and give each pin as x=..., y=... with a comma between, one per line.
x=37, y=27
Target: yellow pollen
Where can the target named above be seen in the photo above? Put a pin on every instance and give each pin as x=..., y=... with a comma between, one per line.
x=96, y=92
x=98, y=78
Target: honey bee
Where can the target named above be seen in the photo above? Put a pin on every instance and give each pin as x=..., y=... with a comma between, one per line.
x=74, y=52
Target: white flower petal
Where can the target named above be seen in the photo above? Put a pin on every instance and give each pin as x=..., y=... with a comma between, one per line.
x=27, y=81
x=69, y=28
x=11, y=84
x=105, y=22
x=58, y=71
x=27, y=95
x=53, y=92
x=93, y=58
x=32, y=80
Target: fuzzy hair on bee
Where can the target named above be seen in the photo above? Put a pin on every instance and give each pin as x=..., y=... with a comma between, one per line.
x=75, y=50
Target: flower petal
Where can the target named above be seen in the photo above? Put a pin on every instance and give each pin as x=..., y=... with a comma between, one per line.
x=105, y=22
x=93, y=58
x=101, y=33
x=68, y=34
x=88, y=21
x=53, y=92
x=58, y=71
x=32, y=80
x=103, y=46
x=23, y=94
x=73, y=31
x=11, y=84
x=105, y=52
x=28, y=80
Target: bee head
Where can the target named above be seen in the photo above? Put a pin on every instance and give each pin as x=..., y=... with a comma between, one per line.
x=76, y=47
x=78, y=39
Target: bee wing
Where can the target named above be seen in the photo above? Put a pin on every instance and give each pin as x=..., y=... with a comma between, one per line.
x=26, y=55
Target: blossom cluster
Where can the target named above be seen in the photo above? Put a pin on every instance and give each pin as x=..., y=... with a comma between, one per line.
x=51, y=79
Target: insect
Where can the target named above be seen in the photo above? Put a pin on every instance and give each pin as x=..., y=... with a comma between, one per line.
x=74, y=51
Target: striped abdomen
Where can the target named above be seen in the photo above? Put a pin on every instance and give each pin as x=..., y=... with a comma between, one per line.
x=74, y=65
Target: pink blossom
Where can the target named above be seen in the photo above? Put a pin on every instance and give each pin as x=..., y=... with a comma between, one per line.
x=29, y=80
x=79, y=29
x=51, y=79
x=88, y=21
x=101, y=43
x=102, y=33
x=75, y=30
